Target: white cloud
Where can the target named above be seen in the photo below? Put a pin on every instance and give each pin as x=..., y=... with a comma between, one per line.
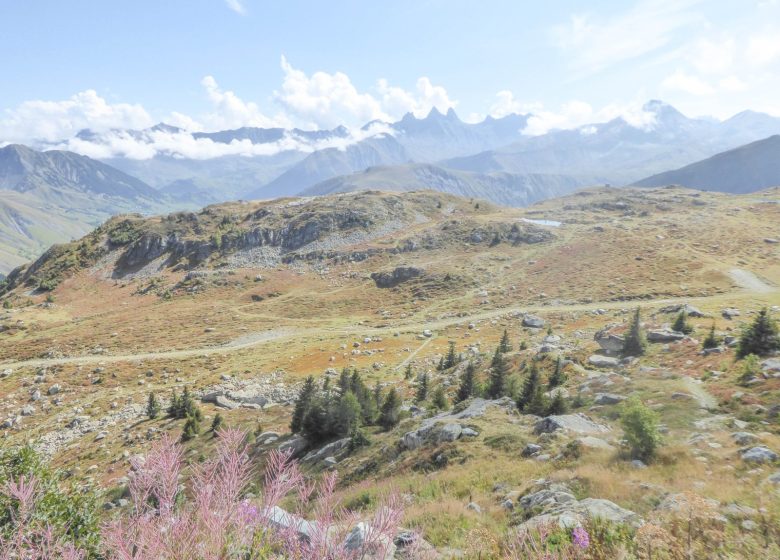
x=687, y=83
x=325, y=100
x=230, y=111
x=650, y=25
x=713, y=57
x=396, y=101
x=237, y=6
x=55, y=120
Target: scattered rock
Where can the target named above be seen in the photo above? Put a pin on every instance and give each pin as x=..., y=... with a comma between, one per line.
x=664, y=335
x=599, y=361
x=533, y=322
x=759, y=455
x=575, y=423
x=608, y=398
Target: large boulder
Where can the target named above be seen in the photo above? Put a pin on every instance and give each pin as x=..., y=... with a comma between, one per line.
x=397, y=276
x=664, y=335
x=610, y=343
x=357, y=544
x=334, y=448
x=449, y=432
x=294, y=445
x=603, y=361
x=574, y=423
x=533, y=322
x=608, y=398
x=759, y=455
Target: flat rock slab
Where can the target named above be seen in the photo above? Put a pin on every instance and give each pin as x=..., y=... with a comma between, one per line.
x=603, y=361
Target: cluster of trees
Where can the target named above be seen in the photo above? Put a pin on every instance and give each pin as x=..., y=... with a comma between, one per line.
x=320, y=415
x=183, y=407
x=532, y=398
x=761, y=337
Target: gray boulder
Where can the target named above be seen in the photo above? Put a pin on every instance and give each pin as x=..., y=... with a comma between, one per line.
x=295, y=445
x=759, y=455
x=334, y=448
x=533, y=322
x=608, y=398
x=744, y=438
x=574, y=423
x=399, y=275
x=603, y=361
x=664, y=335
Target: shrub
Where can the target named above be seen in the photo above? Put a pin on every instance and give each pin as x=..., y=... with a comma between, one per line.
x=751, y=368
x=640, y=427
x=439, y=399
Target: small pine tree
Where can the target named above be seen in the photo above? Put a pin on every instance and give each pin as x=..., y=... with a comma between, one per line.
x=408, y=373
x=174, y=407
x=635, y=343
x=345, y=415
x=452, y=358
x=152, y=407
x=302, y=405
x=217, y=423
x=378, y=394
x=188, y=406
x=504, y=346
x=499, y=373
x=391, y=410
x=467, y=383
x=440, y=365
x=422, y=388
x=523, y=345
x=538, y=404
x=345, y=382
x=530, y=387
x=191, y=428
x=711, y=341
x=681, y=323
x=761, y=337
x=439, y=398
x=557, y=404
x=557, y=378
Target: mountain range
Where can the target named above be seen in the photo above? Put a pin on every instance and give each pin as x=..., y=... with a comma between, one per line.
x=54, y=195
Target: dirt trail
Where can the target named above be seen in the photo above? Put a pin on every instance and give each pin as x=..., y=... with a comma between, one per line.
x=263, y=337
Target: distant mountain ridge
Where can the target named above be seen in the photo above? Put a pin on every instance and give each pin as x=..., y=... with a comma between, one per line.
x=748, y=168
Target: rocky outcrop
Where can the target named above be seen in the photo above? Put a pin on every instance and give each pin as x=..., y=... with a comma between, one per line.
x=573, y=423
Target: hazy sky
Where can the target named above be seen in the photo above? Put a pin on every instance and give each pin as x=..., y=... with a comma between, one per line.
x=213, y=64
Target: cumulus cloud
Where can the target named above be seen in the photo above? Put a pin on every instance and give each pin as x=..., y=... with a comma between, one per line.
x=764, y=49
x=230, y=111
x=54, y=120
x=687, y=83
x=325, y=100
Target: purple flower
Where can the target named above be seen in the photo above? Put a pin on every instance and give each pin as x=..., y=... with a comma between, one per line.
x=580, y=537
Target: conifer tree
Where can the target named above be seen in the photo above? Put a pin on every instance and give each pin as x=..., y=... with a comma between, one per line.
x=538, y=404
x=191, y=428
x=452, y=358
x=391, y=410
x=152, y=407
x=557, y=378
x=174, y=407
x=530, y=387
x=499, y=372
x=681, y=323
x=761, y=337
x=408, y=372
x=439, y=398
x=504, y=346
x=635, y=342
x=557, y=404
x=422, y=388
x=467, y=382
x=345, y=382
x=302, y=405
x=711, y=341
x=217, y=423
x=346, y=417
x=378, y=394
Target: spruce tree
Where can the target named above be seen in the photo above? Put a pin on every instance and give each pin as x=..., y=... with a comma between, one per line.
x=302, y=405
x=557, y=378
x=557, y=404
x=378, y=394
x=346, y=414
x=635, y=342
x=504, y=345
x=439, y=398
x=422, y=388
x=452, y=359
x=174, y=407
x=391, y=410
x=538, y=404
x=529, y=389
x=467, y=381
x=408, y=372
x=345, y=382
x=761, y=337
x=499, y=372
x=217, y=423
x=152, y=407
x=681, y=323
x=191, y=428
x=189, y=407
x=711, y=341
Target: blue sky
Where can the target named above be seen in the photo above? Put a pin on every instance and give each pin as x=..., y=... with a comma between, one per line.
x=209, y=64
